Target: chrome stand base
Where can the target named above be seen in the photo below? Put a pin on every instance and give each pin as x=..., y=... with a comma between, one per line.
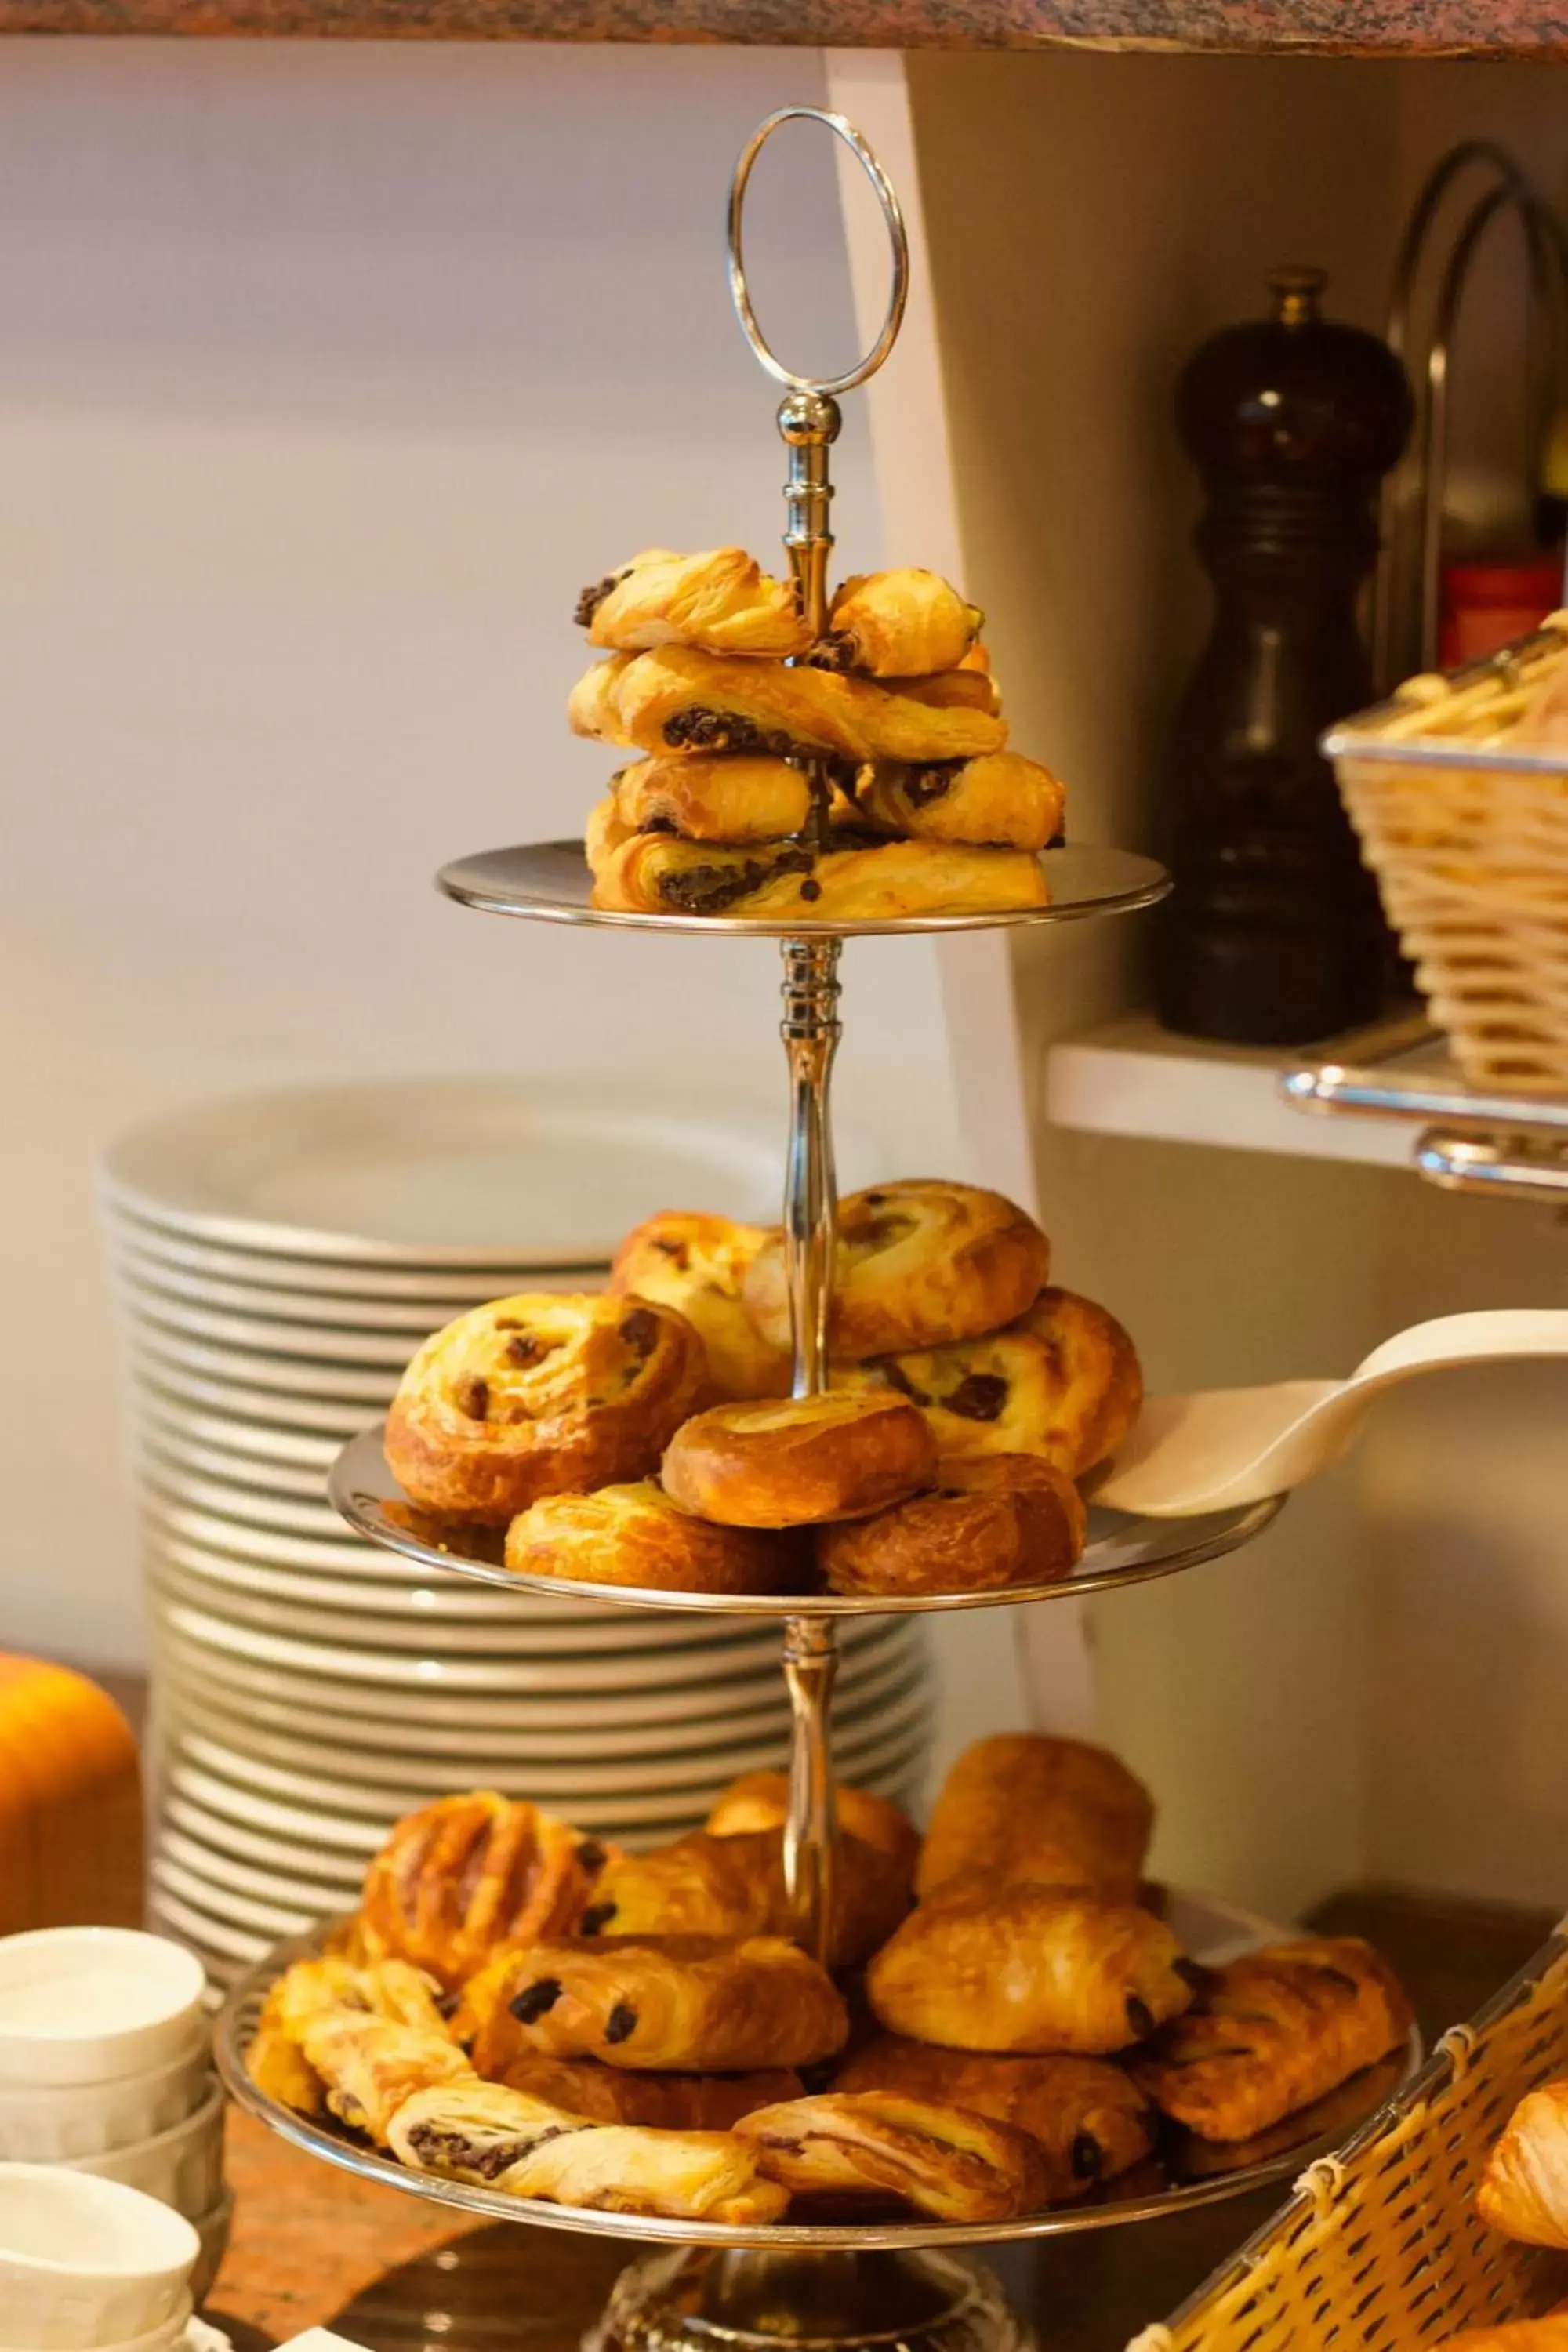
x=693, y=2300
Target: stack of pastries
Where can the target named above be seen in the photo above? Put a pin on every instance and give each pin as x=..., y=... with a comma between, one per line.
x=518, y=2005
x=647, y=1438
x=713, y=680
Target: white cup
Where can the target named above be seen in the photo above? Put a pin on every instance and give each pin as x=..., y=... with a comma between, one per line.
x=166, y=2336
x=87, y=2264
x=182, y=2168
x=84, y=2004
x=60, y=2124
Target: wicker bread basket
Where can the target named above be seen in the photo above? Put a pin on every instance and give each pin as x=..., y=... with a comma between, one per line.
x=1380, y=2248
x=1468, y=835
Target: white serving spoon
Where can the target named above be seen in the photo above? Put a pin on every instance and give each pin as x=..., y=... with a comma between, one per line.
x=1224, y=1447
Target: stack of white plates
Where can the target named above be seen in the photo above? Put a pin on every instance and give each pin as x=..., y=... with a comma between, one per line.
x=275, y=1262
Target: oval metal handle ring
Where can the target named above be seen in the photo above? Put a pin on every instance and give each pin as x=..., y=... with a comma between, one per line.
x=898, y=295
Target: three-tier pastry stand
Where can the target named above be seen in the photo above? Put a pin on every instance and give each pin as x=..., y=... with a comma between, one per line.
x=835, y=2286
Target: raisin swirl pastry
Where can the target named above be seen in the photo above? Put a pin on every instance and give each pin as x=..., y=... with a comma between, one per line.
x=900, y=624
x=1029, y=1805
x=1090, y=2120
x=545, y=1393
x=683, y=700
x=1022, y=1968
x=1272, y=2031
x=991, y=1521
x=467, y=1874
x=722, y=602
x=730, y=799
x=917, y=1263
x=608, y=2094
x=1001, y=799
x=1524, y=2193
x=698, y=1264
x=501, y=2138
x=944, y=2161
x=869, y=882
x=799, y=1461
x=701, y=2004
x=734, y=1886
x=636, y=1536
x=1063, y=1383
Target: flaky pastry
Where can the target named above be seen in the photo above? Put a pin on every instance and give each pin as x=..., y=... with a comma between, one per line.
x=1524, y=2192
x=610, y=2094
x=1014, y=1966
x=917, y=1263
x=1063, y=1382
x=869, y=882
x=698, y=1264
x=722, y=601
x=1001, y=799
x=799, y=1461
x=634, y=1535
x=469, y=1872
x=991, y=1520
x=759, y=1800
x=731, y=798
x=1029, y=1805
x=946, y=2161
x=604, y=832
x=897, y=623
x=683, y=700
x=734, y=1886
x=1273, y=2030
x=370, y=2065
x=545, y=1393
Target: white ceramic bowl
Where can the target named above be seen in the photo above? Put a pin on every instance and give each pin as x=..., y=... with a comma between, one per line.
x=182, y=2168
x=85, y=2004
x=167, y=2336
x=86, y=2263
x=212, y=2230
x=58, y=2123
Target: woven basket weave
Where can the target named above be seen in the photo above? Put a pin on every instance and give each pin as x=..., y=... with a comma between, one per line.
x=1380, y=2249
x=1471, y=857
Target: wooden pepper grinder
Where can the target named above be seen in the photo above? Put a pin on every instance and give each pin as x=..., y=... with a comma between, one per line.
x=1274, y=934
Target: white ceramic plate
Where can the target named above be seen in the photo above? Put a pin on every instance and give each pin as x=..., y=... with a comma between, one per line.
x=157, y=1246
x=428, y=1604
x=157, y=1353
x=264, y=1411
x=462, y=1172
x=240, y=1476
x=331, y=1345
x=263, y=1445
x=169, y=1291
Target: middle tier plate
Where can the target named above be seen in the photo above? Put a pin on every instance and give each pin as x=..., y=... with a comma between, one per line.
x=1121, y=1549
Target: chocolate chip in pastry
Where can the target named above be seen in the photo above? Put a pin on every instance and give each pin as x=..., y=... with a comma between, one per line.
x=799, y=1461
x=918, y=1262
x=1016, y=1967
x=943, y=2160
x=1272, y=2031
x=698, y=1264
x=1063, y=1382
x=731, y=798
x=1089, y=2119
x=370, y=2065
x=734, y=1886
x=682, y=2004
x=995, y=1520
x=609, y=2095
x=469, y=1872
x=871, y=882
x=1026, y=1805
x=722, y=601
x=545, y=1393
x=681, y=701
x=895, y=624
x=1524, y=2194
x=759, y=1800
x=636, y=1536
x=1001, y=799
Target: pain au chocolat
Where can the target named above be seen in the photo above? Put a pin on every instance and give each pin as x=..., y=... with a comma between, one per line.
x=998, y=801
x=848, y=880
x=1028, y=1805
x=900, y=624
x=946, y=2161
x=543, y=1394
x=721, y=601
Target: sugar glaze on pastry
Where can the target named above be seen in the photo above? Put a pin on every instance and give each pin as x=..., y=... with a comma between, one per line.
x=799, y=1461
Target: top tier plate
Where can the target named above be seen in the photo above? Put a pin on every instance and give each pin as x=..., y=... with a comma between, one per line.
x=549, y=882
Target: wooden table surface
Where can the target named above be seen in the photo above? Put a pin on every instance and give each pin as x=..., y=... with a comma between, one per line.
x=312, y=2246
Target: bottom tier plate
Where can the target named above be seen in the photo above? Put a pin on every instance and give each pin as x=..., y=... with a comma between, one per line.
x=1186, y=2172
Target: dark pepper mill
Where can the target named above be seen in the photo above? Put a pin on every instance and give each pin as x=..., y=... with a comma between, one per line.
x=1274, y=933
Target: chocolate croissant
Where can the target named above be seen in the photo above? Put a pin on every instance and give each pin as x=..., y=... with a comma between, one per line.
x=734, y=1886
x=1524, y=2193
x=1000, y=800
x=876, y=882
x=468, y=1873
x=900, y=624
x=1025, y=1805
x=946, y=2161
x=1272, y=2031
x=759, y=1800
x=1011, y=1966
x=722, y=601
x=731, y=798
x=684, y=2004
x=683, y=700
x=609, y=2095
x=1089, y=2119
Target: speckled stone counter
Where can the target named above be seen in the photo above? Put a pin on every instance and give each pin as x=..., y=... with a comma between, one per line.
x=1494, y=28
